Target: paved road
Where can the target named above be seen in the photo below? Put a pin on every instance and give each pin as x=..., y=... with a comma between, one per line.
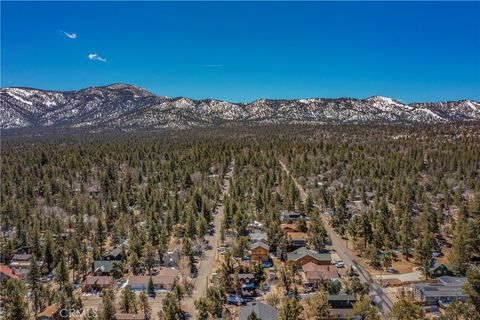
x=207, y=262
x=377, y=295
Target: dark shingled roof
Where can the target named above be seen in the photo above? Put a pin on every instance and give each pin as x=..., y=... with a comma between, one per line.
x=263, y=311
x=302, y=252
x=103, y=265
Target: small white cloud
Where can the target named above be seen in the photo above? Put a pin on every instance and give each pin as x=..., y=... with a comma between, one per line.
x=70, y=35
x=94, y=56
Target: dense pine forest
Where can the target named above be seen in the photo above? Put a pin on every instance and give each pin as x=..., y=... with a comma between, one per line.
x=411, y=188
x=69, y=200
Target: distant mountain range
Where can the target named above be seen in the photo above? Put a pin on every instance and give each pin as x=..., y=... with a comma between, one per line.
x=126, y=107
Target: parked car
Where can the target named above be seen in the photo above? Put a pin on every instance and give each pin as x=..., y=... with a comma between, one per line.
x=236, y=300
x=340, y=264
x=391, y=270
x=354, y=270
x=309, y=289
x=194, y=271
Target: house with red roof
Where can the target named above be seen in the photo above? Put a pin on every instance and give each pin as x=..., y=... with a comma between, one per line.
x=6, y=274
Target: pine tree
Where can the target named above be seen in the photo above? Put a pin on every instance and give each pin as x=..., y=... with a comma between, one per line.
x=309, y=205
x=170, y=309
x=34, y=273
x=117, y=270
x=316, y=233
x=145, y=307
x=290, y=309
x=14, y=300
x=423, y=253
x=364, y=309
x=404, y=309
x=460, y=254
x=128, y=300
x=202, y=226
x=108, y=301
x=34, y=280
x=253, y=316
x=61, y=272
x=48, y=252
x=151, y=286
x=406, y=233
x=472, y=289
x=148, y=255
x=317, y=306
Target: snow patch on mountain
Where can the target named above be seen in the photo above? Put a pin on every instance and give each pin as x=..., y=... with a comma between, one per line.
x=128, y=107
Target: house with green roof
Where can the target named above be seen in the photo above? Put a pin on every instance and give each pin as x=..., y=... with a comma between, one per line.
x=437, y=269
x=302, y=256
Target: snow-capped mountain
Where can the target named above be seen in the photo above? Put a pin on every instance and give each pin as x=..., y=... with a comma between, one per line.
x=127, y=107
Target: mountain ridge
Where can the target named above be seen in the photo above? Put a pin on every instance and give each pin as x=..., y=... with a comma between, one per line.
x=128, y=107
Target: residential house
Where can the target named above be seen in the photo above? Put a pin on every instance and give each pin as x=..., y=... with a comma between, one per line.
x=244, y=277
x=296, y=239
x=370, y=195
x=289, y=216
x=341, y=300
x=98, y=283
x=21, y=257
x=160, y=282
x=171, y=258
x=314, y=274
x=303, y=256
x=289, y=227
x=262, y=311
x=49, y=313
x=258, y=236
x=94, y=190
x=115, y=254
x=448, y=289
x=259, y=251
x=20, y=264
x=437, y=269
x=6, y=274
x=103, y=267
x=449, y=280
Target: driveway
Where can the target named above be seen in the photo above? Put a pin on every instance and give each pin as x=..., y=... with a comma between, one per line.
x=404, y=277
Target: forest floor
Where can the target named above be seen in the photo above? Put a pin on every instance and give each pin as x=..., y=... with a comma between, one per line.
x=401, y=266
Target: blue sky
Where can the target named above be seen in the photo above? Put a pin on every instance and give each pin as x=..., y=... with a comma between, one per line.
x=413, y=51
